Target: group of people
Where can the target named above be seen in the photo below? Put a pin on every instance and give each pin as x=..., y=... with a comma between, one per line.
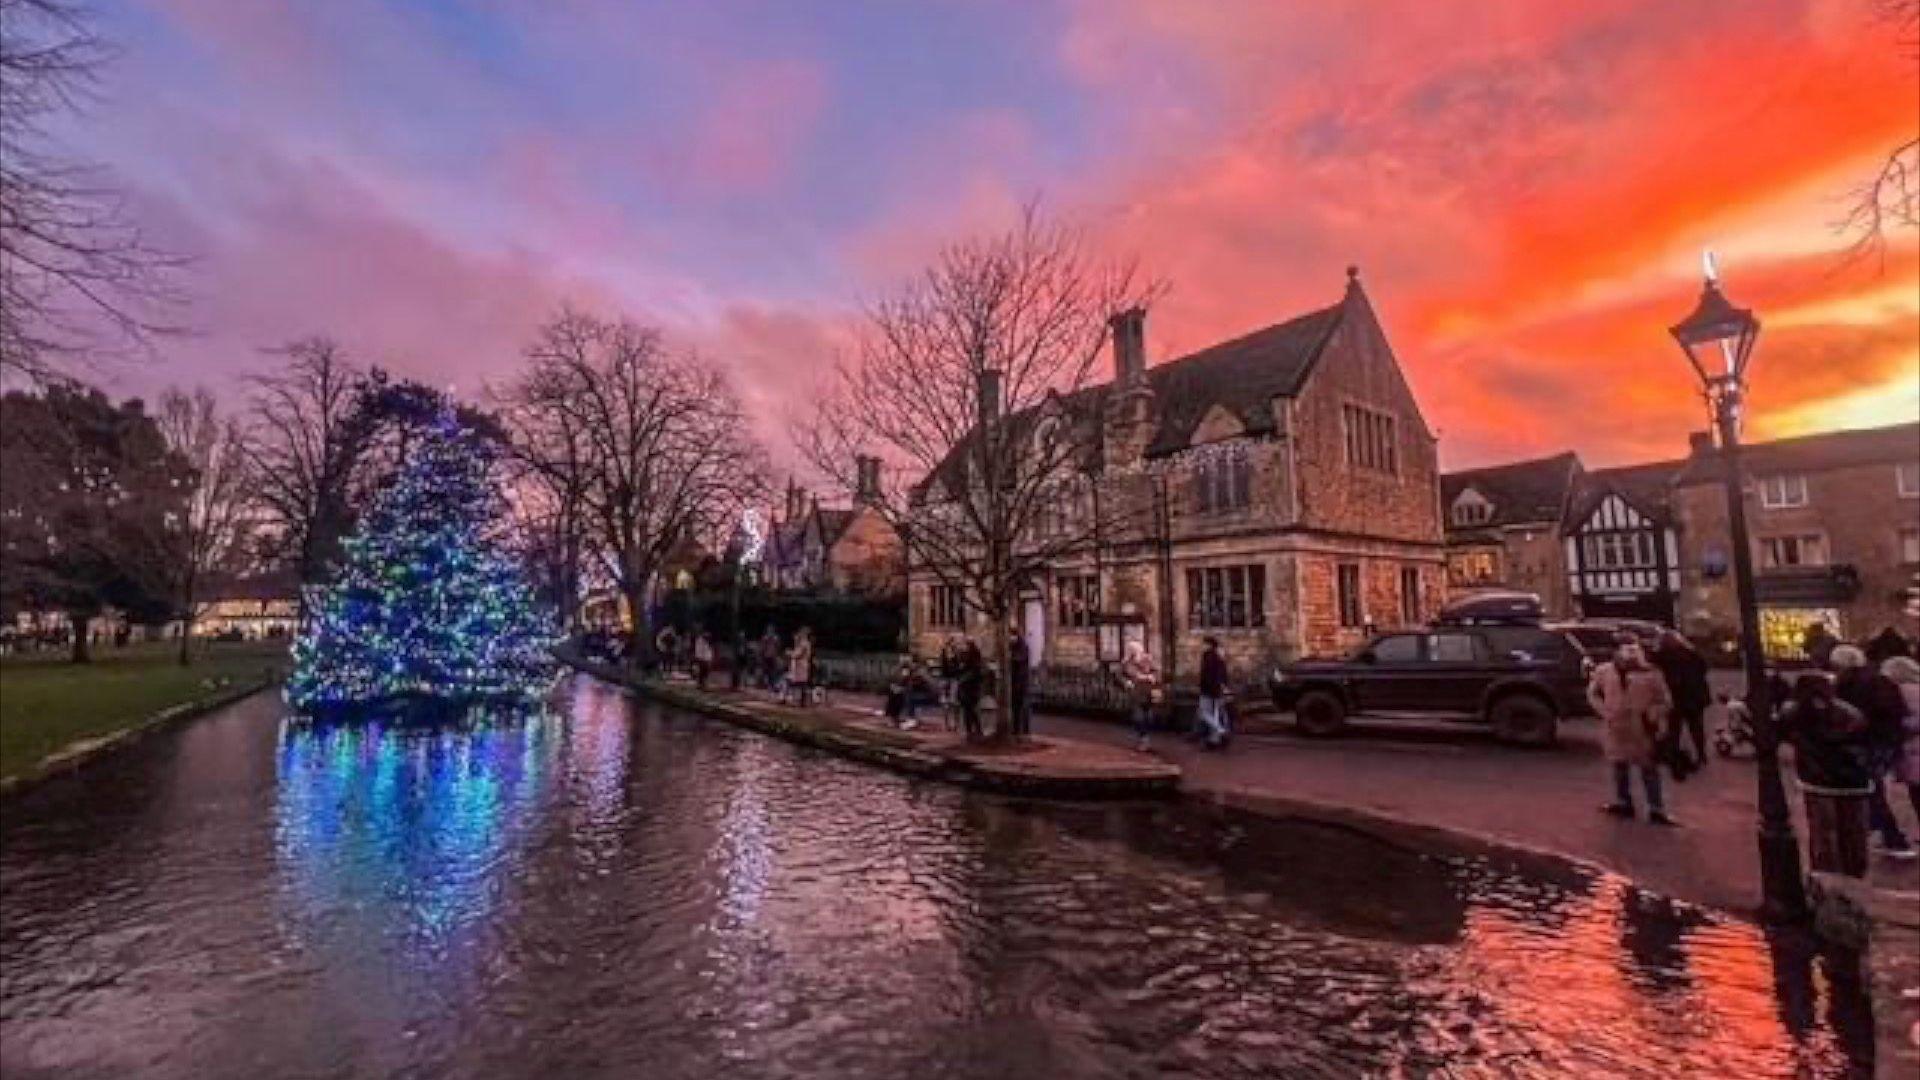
x=691, y=653
x=959, y=680
x=1854, y=724
x=787, y=671
x=1853, y=721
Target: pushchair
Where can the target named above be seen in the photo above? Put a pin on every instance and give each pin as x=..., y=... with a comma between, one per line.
x=1735, y=731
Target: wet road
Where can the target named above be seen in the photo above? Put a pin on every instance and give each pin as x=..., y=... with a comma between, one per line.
x=616, y=890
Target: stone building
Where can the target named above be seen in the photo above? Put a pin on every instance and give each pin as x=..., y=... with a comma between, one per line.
x=851, y=549
x=1288, y=502
x=1835, y=524
x=1503, y=528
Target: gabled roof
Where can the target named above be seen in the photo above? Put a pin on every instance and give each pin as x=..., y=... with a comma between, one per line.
x=1813, y=453
x=832, y=523
x=1242, y=376
x=1522, y=492
x=1647, y=488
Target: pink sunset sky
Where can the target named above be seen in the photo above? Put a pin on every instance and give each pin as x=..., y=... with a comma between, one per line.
x=1526, y=186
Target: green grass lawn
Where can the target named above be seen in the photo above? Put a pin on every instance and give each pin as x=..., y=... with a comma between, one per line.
x=46, y=702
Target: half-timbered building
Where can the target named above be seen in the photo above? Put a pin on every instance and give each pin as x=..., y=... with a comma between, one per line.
x=1622, y=553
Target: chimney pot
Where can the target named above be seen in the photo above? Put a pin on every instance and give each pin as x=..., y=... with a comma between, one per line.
x=1129, y=344
x=1700, y=443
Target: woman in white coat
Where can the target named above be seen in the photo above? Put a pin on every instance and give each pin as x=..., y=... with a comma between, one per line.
x=1631, y=698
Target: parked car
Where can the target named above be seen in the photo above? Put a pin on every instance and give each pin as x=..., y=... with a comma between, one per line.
x=1519, y=679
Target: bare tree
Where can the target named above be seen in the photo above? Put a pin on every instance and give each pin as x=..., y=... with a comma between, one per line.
x=650, y=446
x=77, y=278
x=1890, y=200
x=305, y=444
x=973, y=384
x=210, y=526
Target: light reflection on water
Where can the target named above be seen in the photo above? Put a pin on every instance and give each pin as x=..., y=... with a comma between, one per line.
x=606, y=889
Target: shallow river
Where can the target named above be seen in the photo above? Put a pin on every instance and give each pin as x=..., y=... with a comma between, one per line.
x=614, y=889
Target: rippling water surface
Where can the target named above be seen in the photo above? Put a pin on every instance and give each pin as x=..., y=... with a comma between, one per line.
x=618, y=890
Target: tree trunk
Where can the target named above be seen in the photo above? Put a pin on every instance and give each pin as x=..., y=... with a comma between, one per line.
x=1003, y=673
x=641, y=645
x=82, y=651
x=186, y=627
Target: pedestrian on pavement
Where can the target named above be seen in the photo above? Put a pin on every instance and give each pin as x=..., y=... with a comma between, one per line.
x=1686, y=673
x=899, y=706
x=702, y=658
x=1878, y=699
x=1214, y=680
x=1824, y=732
x=949, y=672
x=770, y=663
x=1905, y=673
x=970, y=672
x=1885, y=645
x=1142, y=681
x=666, y=647
x=1019, y=683
x=800, y=667
x=1818, y=643
x=1633, y=704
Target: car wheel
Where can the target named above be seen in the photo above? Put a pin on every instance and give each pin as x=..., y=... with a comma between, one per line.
x=1320, y=713
x=1524, y=719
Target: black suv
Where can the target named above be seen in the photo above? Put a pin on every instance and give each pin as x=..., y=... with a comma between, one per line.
x=1520, y=679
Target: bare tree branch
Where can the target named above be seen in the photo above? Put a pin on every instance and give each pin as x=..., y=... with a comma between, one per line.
x=209, y=527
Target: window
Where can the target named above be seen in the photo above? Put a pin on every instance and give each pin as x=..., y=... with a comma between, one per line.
x=1223, y=481
x=1471, y=509
x=1398, y=649
x=1806, y=549
x=1227, y=597
x=1906, y=479
x=1473, y=567
x=1079, y=599
x=1410, y=612
x=1371, y=443
x=1910, y=546
x=1783, y=492
x=1618, y=551
x=1452, y=648
x=945, y=607
x=1347, y=594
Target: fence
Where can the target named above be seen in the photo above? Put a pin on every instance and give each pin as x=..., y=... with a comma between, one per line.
x=1068, y=689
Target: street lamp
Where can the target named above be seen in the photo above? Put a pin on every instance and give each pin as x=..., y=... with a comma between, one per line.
x=1718, y=340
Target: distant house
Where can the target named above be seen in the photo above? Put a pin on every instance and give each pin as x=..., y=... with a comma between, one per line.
x=253, y=606
x=1621, y=547
x=1835, y=524
x=853, y=549
x=1503, y=528
x=1298, y=497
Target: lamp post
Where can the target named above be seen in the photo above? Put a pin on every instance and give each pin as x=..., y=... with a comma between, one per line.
x=1718, y=340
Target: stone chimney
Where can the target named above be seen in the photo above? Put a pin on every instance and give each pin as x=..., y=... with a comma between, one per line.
x=1700, y=444
x=866, y=491
x=987, y=401
x=796, y=501
x=1129, y=345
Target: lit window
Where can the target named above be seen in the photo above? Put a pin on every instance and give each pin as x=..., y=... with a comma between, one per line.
x=1783, y=492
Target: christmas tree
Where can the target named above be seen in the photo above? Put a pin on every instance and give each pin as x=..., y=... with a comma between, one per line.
x=428, y=609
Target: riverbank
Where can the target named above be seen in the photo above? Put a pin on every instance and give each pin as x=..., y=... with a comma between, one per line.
x=56, y=715
x=1046, y=766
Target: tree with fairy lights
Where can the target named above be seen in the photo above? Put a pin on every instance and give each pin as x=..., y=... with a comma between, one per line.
x=428, y=608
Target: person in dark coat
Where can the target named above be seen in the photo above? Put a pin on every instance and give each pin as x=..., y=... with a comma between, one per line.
x=1686, y=673
x=1885, y=645
x=970, y=672
x=1878, y=699
x=1824, y=732
x=1214, y=680
x=1020, y=663
x=1818, y=643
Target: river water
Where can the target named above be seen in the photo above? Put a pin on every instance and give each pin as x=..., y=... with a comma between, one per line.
x=615, y=889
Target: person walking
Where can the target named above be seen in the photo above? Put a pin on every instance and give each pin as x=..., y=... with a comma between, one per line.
x=949, y=673
x=899, y=706
x=1212, y=707
x=800, y=667
x=1686, y=673
x=1905, y=673
x=1142, y=681
x=1878, y=699
x=702, y=658
x=970, y=672
x=1824, y=733
x=770, y=665
x=666, y=647
x=1633, y=704
x=1019, y=683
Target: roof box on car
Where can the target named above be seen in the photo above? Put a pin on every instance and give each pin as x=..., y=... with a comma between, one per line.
x=1492, y=609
